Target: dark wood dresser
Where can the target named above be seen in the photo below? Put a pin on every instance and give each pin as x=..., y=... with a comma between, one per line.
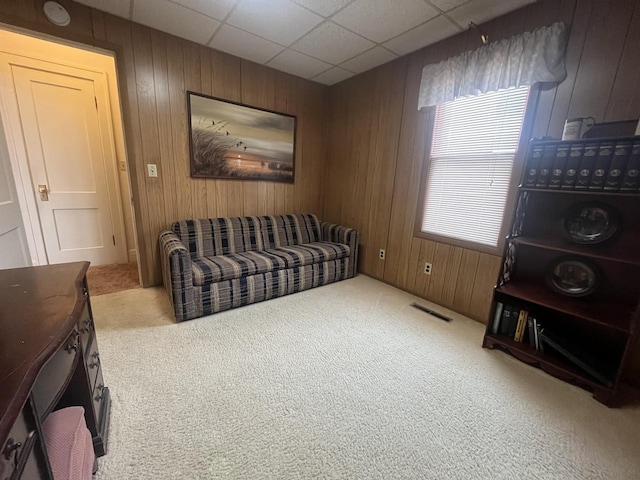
x=49, y=359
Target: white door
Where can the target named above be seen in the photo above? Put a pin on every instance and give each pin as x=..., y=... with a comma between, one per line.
x=14, y=250
x=64, y=116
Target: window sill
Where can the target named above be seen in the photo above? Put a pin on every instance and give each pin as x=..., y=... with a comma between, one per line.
x=478, y=247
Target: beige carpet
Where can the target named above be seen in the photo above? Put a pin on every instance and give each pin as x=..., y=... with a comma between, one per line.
x=103, y=279
x=340, y=382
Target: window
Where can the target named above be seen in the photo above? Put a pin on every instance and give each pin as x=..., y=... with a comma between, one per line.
x=472, y=154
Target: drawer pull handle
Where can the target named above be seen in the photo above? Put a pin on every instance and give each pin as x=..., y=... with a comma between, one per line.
x=86, y=326
x=12, y=447
x=96, y=361
x=100, y=396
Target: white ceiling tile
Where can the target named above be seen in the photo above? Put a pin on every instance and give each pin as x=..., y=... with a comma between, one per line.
x=323, y=7
x=332, y=43
x=213, y=8
x=480, y=11
x=332, y=76
x=380, y=20
x=262, y=28
x=245, y=45
x=374, y=57
x=280, y=21
x=431, y=32
x=298, y=64
x=171, y=18
x=446, y=5
x=115, y=7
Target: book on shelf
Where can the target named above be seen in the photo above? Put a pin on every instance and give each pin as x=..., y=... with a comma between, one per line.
x=559, y=165
x=533, y=165
x=546, y=165
x=602, y=164
x=513, y=323
x=521, y=325
x=496, y=318
x=536, y=334
x=530, y=331
x=618, y=165
x=577, y=356
x=587, y=164
x=573, y=164
x=631, y=178
x=508, y=313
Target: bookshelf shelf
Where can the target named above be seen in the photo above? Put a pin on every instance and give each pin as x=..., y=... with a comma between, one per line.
x=596, y=193
x=611, y=315
x=549, y=364
x=583, y=337
x=560, y=245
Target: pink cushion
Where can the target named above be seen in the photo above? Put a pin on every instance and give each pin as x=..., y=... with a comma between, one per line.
x=69, y=444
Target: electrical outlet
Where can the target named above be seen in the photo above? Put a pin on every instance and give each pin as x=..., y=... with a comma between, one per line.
x=122, y=166
x=152, y=170
x=381, y=254
x=427, y=268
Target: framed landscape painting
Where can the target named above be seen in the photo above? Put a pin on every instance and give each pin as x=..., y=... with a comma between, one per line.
x=234, y=141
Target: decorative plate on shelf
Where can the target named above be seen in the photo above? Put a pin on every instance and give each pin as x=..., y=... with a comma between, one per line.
x=591, y=223
x=573, y=276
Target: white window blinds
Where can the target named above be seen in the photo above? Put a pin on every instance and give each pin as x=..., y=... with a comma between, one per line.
x=474, y=144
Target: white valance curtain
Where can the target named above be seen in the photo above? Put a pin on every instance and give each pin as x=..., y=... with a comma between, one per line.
x=525, y=59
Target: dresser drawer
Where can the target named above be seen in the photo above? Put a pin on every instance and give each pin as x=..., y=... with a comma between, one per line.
x=14, y=448
x=93, y=363
x=17, y=455
x=55, y=375
x=98, y=394
x=86, y=328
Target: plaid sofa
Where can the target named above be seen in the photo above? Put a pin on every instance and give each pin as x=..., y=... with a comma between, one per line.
x=215, y=264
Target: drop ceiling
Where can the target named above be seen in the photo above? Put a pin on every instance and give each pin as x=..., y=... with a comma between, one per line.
x=326, y=41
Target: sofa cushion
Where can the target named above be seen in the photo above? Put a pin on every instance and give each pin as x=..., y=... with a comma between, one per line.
x=217, y=268
x=286, y=230
x=219, y=236
x=222, y=236
x=315, y=252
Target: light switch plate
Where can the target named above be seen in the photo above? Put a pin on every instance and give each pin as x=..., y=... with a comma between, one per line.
x=152, y=170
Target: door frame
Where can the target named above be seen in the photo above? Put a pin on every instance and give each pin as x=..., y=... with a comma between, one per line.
x=28, y=209
x=19, y=160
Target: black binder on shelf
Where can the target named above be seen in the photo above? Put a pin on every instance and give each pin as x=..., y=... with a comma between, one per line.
x=533, y=165
x=573, y=164
x=548, y=159
x=587, y=165
x=557, y=172
x=601, y=167
x=618, y=166
x=631, y=178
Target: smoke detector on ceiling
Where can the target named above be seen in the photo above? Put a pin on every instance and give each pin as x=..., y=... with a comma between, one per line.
x=57, y=14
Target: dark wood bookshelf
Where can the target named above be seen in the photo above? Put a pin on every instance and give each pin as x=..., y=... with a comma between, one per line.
x=601, y=325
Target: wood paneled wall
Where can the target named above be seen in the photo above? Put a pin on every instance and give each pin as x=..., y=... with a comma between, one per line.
x=378, y=140
x=155, y=71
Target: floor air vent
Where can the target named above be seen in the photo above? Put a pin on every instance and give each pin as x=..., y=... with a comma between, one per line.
x=430, y=312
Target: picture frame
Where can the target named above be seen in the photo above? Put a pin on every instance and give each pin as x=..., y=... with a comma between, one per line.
x=233, y=141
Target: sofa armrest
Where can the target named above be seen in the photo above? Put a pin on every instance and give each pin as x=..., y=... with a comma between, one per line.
x=177, y=275
x=348, y=236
